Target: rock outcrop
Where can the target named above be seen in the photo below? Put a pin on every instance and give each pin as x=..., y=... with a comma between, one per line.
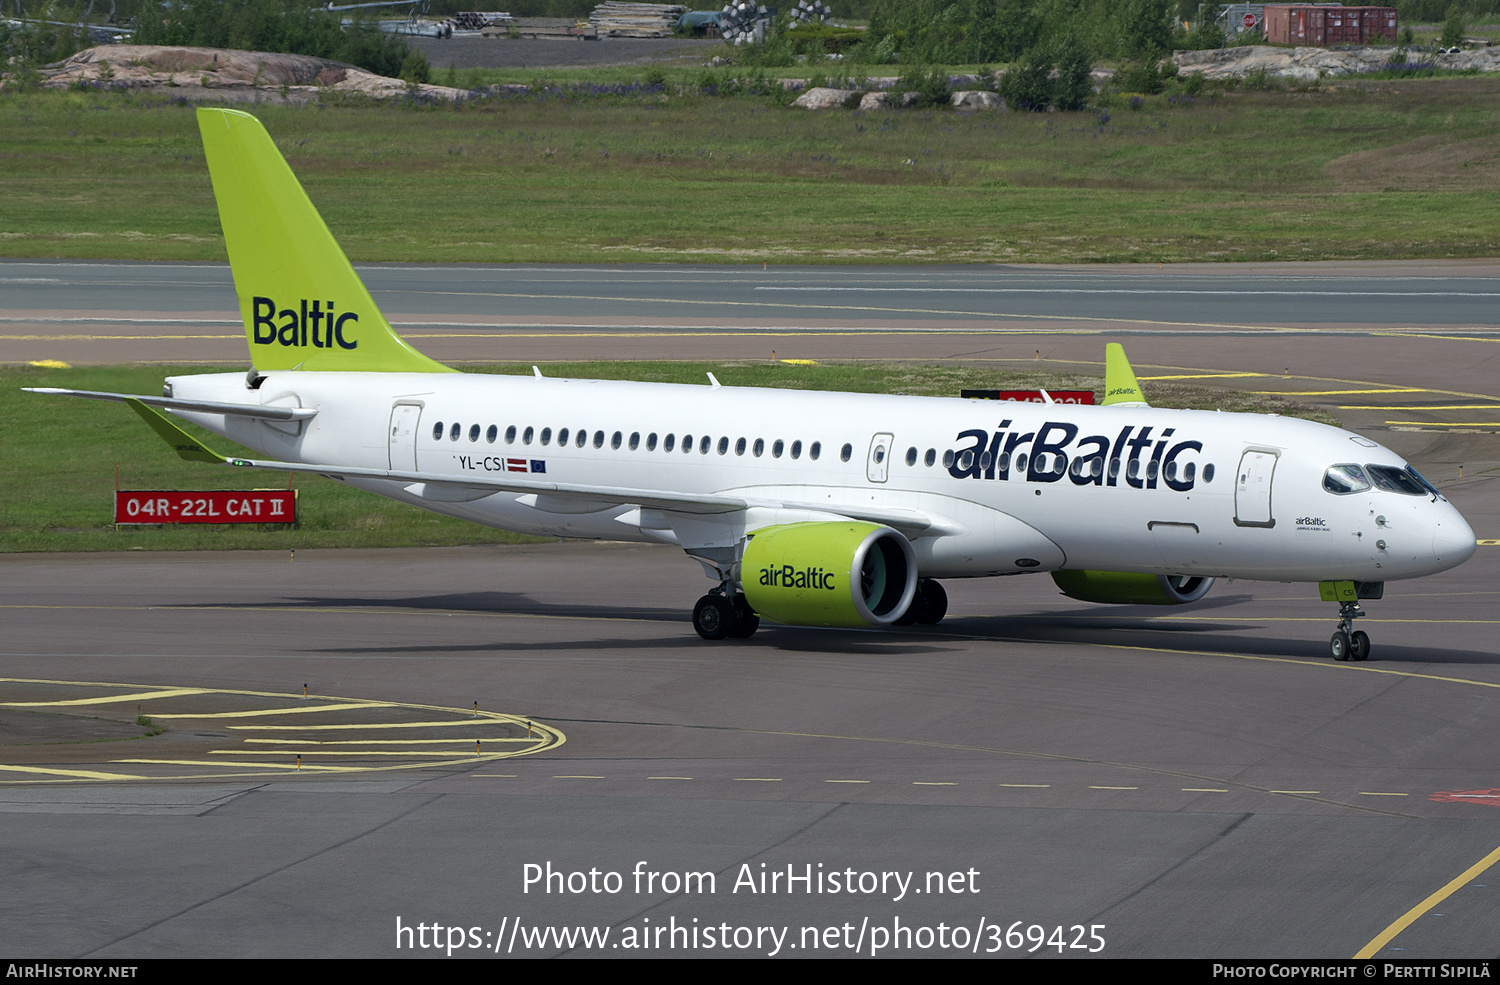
x=1306, y=64
x=229, y=75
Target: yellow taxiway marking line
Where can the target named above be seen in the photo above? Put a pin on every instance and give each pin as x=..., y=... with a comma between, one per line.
x=134, y=696
x=1202, y=376
x=1445, y=424
x=289, y=767
x=81, y=774
x=497, y=776
x=1092, y=787
x=1380, y=793
x=1410, y=916
x=387, y=742
x=1304, y=793
x=669, y=778
x=1205, y=790
x=757, y=779
x=846, y=781
x=1445, y=622
x=488, y=718
x=1334, y=393
x=1027, y=786
x=283, y=753
x=1016, y=316
x=933, y=783
x=576, y=776
x=265, y=712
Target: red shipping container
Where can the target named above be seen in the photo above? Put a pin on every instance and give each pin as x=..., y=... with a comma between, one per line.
x=1304, y=24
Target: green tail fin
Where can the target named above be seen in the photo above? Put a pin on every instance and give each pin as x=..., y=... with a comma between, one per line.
x=303, y=305
x=1120, y=386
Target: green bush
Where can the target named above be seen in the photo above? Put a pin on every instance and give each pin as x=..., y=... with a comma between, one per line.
x=1453, y=28
x=287, y=26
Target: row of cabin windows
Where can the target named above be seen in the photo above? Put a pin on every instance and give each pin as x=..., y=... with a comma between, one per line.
x=580, y=439
x=965, y=459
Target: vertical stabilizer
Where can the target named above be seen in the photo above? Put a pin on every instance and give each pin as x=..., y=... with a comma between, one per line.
x=1120, y=386
x=303, y=305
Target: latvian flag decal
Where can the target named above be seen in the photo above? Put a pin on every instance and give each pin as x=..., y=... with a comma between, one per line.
x=525, y=465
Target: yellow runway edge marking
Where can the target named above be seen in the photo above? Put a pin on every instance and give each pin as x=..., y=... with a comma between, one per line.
x=1410, y=916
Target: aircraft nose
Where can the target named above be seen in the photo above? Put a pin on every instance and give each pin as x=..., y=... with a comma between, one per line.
x=1453, y=540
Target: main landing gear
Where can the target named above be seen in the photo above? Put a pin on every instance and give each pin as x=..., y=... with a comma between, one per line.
x=718, y=616
x=1347, y=643
x=928, y=606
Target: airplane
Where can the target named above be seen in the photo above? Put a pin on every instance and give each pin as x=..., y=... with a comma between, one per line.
x=804, y=508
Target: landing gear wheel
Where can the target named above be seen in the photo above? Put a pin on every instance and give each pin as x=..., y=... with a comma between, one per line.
x=746, y=622
x=1338, y=643
x=1359, y=645
x=929, y=604
x=713, y=617
x=934, y=602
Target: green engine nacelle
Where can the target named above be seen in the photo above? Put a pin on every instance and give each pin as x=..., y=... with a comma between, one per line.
x=1129, y=588
x=835, y=573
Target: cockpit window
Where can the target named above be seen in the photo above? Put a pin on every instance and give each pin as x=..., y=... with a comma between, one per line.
x=1345, y=479
x=1425, y=484
x=1392, y=479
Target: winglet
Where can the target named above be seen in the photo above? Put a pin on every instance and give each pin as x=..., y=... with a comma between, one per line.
x=184, y=444
x=1120, y=386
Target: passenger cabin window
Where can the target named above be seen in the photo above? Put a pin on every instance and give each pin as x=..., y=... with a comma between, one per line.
x=527, y=435
x=814, y=450
x=453, y=431
x=776, y=448
x=491, y=434
x=510, y=435
x=546, y=436
x=437, y=431
x=474, y=432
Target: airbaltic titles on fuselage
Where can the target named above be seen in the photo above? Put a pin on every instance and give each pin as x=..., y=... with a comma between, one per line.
x=1054, y=450
x=326, y=328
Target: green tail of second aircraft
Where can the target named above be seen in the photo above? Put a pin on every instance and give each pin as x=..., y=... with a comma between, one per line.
x=303, y=305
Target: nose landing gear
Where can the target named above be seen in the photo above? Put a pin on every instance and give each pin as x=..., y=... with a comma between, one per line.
x=1347, y=643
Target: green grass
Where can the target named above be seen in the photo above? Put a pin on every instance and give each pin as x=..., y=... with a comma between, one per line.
x=61, y=455
x=1357, y=170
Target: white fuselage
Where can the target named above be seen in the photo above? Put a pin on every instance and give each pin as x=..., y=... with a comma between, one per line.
x=1003, y=487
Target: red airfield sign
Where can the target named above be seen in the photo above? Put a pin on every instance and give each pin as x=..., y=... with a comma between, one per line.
x=219, y=506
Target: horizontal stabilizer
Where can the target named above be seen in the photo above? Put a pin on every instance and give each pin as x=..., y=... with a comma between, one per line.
x=190, y=406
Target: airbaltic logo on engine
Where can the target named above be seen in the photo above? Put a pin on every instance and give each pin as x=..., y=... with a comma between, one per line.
x=787, y=576
x=1138, y=457
x=323, y=328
